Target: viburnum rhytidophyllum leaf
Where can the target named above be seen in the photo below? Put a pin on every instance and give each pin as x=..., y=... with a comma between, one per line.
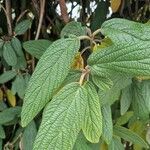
x=129, y=54
x=49, y=74
x=92, y=127
x=132, y=29
x=62, y=119
x=132, y=58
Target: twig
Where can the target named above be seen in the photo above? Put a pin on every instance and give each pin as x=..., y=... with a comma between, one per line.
x=21, y=15
x=86, y=48
x=63, y=9
x=96, y=32
x=85, y=72
x=8, y=21
x=84, y=37
x=8, y=10
x=42, y=7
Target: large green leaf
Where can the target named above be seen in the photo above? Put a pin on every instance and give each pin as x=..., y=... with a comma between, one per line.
x=141, y=99
x=36, y=47
x=62, y=119
x=129, y=54
x=135, y=29
x=74, y=28
x=129, y=136
x=92, y=127
x=132, y=58
x=49, y=74
x=29, y=135
x=107, y=124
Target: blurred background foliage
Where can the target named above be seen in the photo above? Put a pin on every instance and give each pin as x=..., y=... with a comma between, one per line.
x=27, y=28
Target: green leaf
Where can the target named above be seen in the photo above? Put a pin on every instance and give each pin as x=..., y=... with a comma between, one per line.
x=130, y=52
x=126, y=98
x=116, y=144
x=141, y=99
x=20, y=85
x=124, y=118
x=9, y=114
x=62, y=119
x=132, y=59
x=36, y=47
x=109, y=96
x=107, y=132
x=6, y=76
x=102, y=82
x=16, y=44
x=50, y=72
x=21, y=61
x=73, y=76
x=81, y=143
x=22, y=27
x=2, y=133
x=74, y=28
x=127, y=27
x=1, y=144
x=130, y=136
x=9, y=54
x=29, y=135
x=1, y=43
x=92, y=127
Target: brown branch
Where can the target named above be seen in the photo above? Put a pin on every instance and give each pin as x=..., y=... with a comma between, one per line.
x=9, y=28
x=63, y=9
x=9, y=17
x=42, y=8
x=21, y=15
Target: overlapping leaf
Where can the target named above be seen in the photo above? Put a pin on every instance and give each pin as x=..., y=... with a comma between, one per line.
x=29, y=135
x=126, y=98
x=107, y=124
x=92, y=127
x=141, y=99
x=74, y=28
x=49, y=74
x=62, y=119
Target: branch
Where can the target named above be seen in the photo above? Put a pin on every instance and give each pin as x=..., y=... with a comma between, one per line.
x=8, y=15
x=42, y=7
x=63, y=9
x=9, y=28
